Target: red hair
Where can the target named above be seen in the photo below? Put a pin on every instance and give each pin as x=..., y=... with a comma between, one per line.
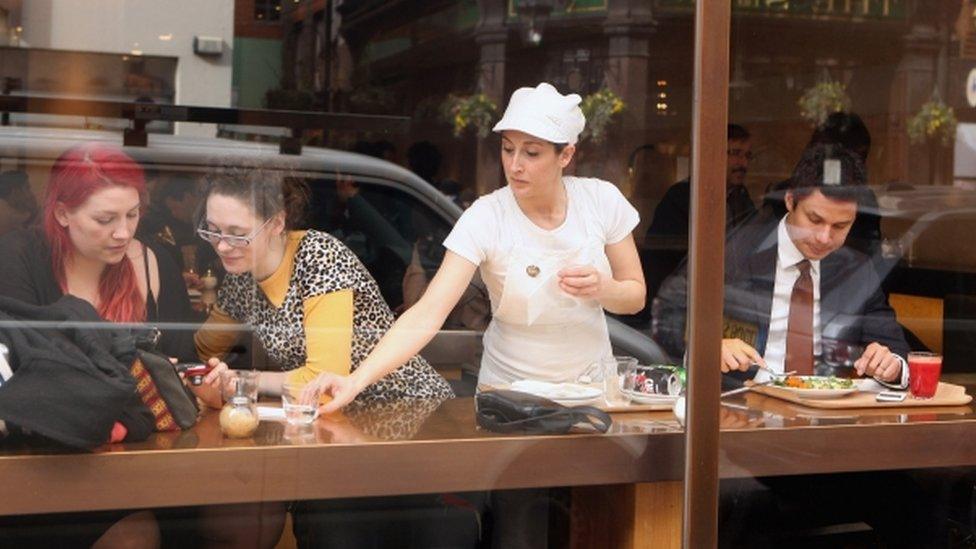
x=77, y=174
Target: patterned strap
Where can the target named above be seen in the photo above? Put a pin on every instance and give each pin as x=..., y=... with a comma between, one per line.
x=151, y=398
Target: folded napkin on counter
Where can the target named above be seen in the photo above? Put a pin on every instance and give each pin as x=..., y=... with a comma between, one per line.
x=271, y=413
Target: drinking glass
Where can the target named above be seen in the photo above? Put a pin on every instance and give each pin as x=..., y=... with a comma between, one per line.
x=296, y=413
x=239, y=383
x=618, y=372
x=924, y=370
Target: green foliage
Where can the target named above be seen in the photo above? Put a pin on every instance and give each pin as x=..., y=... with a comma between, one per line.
x=823, y=99
x=477, y=111
x=599, y=108
x=935, y=120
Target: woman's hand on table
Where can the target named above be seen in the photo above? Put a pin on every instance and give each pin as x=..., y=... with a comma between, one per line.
x=581, y=281
x=341, y=389
x=210, y=390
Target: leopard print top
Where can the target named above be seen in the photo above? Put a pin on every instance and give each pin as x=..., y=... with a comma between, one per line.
x=323, y=265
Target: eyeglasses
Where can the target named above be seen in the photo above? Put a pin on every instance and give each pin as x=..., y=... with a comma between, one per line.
x=233, y=241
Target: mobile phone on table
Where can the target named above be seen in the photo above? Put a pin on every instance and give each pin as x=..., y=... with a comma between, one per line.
x=890, y=396
x=194, y=372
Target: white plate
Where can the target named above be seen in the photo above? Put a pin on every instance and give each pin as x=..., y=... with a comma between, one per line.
x=646, y=398
x=819, y=394
x=560, y=392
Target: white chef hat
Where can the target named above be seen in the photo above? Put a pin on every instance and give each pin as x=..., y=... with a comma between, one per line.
x=545, y=113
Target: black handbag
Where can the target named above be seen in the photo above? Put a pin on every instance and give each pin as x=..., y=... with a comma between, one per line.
x=504, y=411
x=162, y=391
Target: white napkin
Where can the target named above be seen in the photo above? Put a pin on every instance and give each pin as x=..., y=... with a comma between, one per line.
x=271, y=413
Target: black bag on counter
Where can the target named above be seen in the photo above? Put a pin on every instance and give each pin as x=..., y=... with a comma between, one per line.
x=173, y=406
x=504, y=411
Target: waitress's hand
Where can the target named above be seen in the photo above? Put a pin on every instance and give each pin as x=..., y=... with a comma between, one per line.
x=581, y=281
x=342, y=389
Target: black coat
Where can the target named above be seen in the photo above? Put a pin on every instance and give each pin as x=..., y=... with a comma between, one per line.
x=666, y=242
x=71, y=379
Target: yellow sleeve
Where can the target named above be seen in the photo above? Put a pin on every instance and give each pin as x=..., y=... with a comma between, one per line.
x=328, y=336
x=217, y=335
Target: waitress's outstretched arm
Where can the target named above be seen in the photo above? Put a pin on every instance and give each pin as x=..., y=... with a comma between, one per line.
x=622, y=293
x=409, y=334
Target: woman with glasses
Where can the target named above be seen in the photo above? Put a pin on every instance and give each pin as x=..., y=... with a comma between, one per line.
x=309, y=300
x=86, y=247
x=312, y=304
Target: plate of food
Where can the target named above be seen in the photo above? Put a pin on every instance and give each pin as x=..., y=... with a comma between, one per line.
x=563, y=393
x=816, y=387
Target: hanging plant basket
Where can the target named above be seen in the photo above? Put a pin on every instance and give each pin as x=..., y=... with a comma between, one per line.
x=934, y=122
x=822, y=100
x=600, y=108
x=477, y=111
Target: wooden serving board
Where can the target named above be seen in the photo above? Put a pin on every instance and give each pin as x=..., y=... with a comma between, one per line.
x=947, y=394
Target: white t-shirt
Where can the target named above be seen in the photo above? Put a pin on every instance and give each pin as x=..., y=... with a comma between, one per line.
x=486, y=235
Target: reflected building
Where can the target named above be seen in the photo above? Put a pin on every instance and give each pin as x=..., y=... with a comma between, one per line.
x=396, y=57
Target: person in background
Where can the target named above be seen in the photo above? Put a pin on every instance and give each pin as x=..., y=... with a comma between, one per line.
x=424, y=159
x=18, y=207
x=842, y=131
x=169, y=218
x=168, y=223
x=666, y=242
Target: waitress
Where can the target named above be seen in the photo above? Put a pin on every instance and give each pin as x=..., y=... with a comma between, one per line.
x=553, y=250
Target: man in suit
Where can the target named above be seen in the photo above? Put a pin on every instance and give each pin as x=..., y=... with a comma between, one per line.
x=790, y=284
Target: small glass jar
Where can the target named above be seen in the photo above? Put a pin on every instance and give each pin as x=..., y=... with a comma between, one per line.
x=239, y=417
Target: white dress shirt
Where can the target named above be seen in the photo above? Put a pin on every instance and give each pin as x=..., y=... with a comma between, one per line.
x=787, y=272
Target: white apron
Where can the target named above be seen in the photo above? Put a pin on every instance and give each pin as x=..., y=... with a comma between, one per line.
x=537, y=330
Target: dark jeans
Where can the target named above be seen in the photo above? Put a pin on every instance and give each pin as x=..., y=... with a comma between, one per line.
x=765, y=512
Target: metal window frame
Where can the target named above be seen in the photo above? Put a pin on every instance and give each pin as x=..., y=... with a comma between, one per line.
x=140, y=114
x=706, y=252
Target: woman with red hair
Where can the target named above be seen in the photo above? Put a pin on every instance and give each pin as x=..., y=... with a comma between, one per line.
x=86, y=247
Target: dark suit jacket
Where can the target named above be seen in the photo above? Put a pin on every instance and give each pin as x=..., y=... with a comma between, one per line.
x=666, y=243
x=853, y=307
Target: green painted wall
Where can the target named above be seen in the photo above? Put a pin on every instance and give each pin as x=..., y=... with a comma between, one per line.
x=257, y=68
